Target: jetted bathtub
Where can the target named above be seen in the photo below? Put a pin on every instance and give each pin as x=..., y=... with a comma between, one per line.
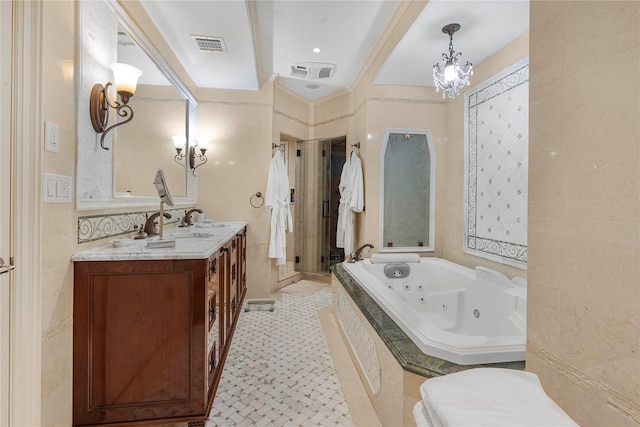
x=449, y=311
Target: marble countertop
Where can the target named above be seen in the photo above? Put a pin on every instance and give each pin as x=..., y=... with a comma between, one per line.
x=198, y=241
x=406, y=352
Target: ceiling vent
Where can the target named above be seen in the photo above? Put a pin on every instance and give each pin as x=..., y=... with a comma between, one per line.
x=210, y=44
x=312, y=70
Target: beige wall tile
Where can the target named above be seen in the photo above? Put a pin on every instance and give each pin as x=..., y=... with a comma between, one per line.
x=58, y=219
x=57, y=296
x=546, y=185
x=595, y=30
x=57, y=387
x=600, y=181
x=584, y=238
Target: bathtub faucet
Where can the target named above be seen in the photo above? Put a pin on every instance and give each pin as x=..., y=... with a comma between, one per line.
x=357, y=255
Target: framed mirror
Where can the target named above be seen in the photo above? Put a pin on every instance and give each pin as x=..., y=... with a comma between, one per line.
x=163, y=107
x=407, y=191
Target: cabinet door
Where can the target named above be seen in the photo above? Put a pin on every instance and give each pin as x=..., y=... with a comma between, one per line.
x=139, y=340
x=233, y=284
x=242, y=263
x=224, y=278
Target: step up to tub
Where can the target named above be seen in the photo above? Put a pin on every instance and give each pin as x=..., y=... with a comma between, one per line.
x=487, y=397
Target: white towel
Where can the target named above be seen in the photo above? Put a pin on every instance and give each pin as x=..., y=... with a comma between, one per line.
x=491, y=397
x=421, y=416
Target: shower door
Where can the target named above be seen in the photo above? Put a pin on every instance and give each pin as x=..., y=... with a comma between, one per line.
x=317, y=204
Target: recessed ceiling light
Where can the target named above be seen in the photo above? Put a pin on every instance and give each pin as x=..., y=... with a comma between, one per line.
x=312, y=86
x=316, y=50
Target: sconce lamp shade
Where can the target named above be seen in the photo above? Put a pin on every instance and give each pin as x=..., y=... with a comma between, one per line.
x=203, y=143
x=179, y=141
x=66, y=65
x=125, y=77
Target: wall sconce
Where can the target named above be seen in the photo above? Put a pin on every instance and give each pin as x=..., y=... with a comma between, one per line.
x=199, y=151
x=125, y=79
x=179, y=143
x=202, y=146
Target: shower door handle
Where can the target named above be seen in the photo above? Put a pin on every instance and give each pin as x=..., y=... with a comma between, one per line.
x=326, y=209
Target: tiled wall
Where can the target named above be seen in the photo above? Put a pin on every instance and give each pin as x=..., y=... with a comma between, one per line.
x=584, y=208
x=454, y=161
x=496, y=166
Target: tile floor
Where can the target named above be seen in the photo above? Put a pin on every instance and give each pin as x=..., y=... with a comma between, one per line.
x=280, y=370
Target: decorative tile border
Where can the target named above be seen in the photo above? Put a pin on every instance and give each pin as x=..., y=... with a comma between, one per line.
x=593, y=386
x=104, y=226
x=496, y=167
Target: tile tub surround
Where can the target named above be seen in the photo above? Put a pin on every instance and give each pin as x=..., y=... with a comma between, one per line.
x=186, y=247
x=279, y=371
x=407, y=354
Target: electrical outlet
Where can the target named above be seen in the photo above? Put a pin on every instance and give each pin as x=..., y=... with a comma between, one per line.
x=51, y=137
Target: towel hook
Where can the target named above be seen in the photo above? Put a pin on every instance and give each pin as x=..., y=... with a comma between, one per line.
x=357, y=145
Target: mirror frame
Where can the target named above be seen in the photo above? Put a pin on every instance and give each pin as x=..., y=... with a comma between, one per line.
x=430, y=247
x=138, y=36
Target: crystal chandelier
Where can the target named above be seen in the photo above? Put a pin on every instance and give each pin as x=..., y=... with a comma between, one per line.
x=449, y=75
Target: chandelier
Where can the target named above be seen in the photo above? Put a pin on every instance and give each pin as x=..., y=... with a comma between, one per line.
x=449, y=75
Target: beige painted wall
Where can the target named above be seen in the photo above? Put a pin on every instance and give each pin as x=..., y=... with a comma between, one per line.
x=59, y=223
x=453, y=197
x=584, y=208
x=291, y=119
x=240, y=125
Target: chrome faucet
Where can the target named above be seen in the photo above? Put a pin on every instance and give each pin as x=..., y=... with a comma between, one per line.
x=357, y=254
x=186, y=221
x=150, y=224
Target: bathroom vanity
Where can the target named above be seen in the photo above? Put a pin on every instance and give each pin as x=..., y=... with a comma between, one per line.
x=152, y=326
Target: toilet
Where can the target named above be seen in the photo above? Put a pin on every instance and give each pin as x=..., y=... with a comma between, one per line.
x=487, y=397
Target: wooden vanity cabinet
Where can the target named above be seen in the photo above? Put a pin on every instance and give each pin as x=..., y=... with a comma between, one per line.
x=151, y=338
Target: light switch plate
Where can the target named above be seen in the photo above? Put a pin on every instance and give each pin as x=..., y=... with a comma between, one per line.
x=57, y=188
x=51, y=137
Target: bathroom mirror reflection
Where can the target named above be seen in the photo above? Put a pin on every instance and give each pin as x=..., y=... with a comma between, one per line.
x=163, y=107
x=145, y=144
x=407, y=199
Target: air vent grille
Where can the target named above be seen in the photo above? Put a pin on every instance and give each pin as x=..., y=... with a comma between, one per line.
x=312, y=70
x=210, y=44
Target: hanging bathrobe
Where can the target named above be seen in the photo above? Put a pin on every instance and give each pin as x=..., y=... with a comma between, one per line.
x=277, y=198
x=351, y=201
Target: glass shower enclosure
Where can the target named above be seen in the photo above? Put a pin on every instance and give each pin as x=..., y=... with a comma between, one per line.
x=318, y=166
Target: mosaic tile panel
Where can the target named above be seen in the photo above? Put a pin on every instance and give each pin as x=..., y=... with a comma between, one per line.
x=96, y=227
x=361, y=343
x=279, y=371
x=496, y=167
